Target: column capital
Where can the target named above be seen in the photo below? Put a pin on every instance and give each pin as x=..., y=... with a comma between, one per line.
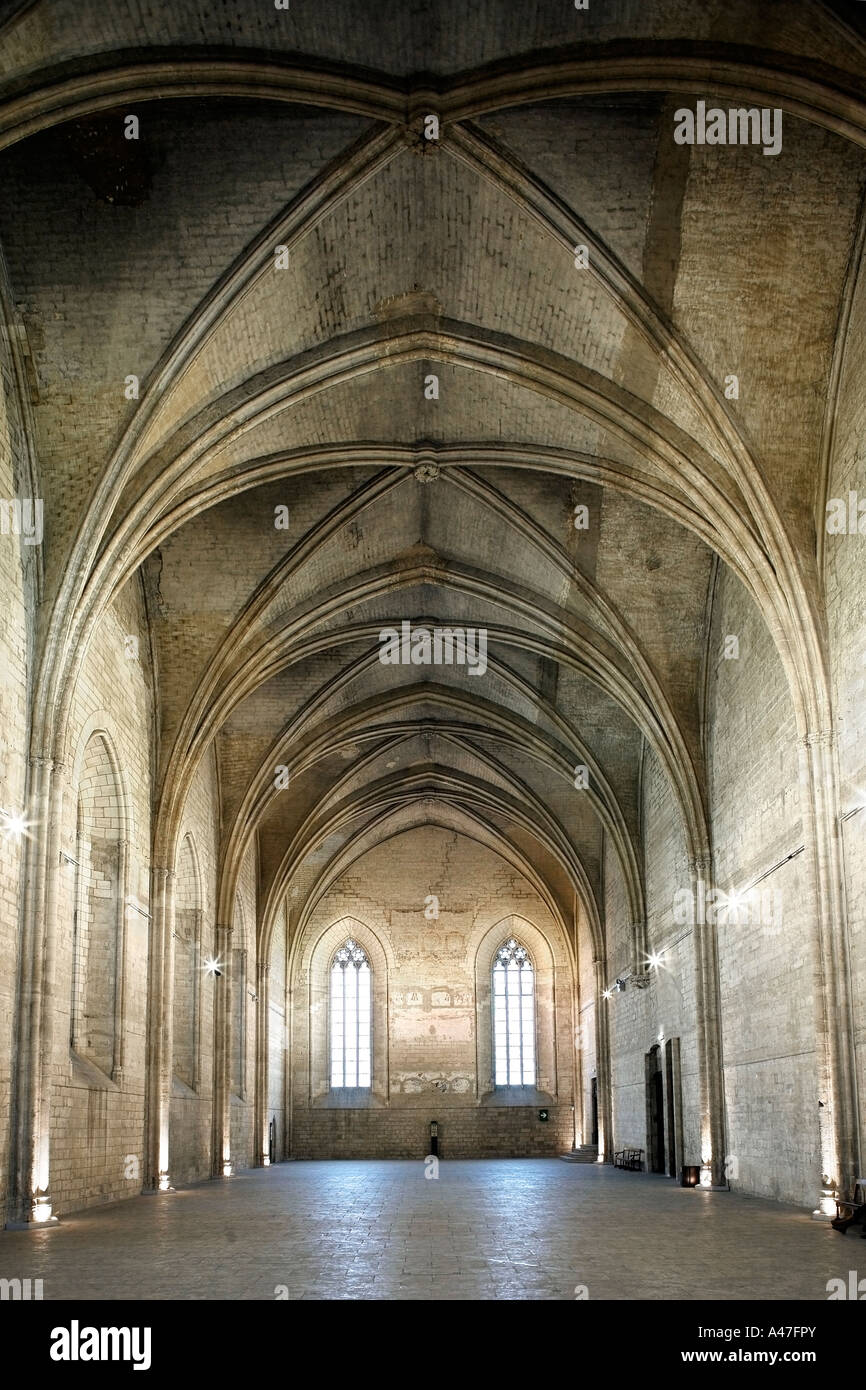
x=42, y=760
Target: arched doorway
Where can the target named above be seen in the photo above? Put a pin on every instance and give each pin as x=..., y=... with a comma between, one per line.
x=655, y=1111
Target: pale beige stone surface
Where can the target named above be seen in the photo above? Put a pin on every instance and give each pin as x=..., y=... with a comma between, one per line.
x=485, y=1229
x=286, y=374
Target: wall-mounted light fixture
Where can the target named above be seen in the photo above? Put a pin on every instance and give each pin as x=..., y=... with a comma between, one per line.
x=828, y=1197
x=42, y=1210
x=13, y=824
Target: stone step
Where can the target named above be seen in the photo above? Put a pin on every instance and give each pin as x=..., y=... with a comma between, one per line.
x=587, y=1153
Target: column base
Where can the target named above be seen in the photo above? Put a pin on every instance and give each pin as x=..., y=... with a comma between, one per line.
x=39, y=1217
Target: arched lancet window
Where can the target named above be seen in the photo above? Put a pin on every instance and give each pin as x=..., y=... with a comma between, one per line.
x=350, y=1017
x=513, y=1016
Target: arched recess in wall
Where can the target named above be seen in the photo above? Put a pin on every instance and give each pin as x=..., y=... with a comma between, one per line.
x=188, y=957
x=553, y=1012
x=99, y=915
x=275, y=1044
x=311, y=1049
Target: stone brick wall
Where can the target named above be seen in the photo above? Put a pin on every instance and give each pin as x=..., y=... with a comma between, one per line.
x=480, y=1132
x=432, y=1054
x=103, y=284
x=765, y=948
x=643, y=1019
x=187, y=964
x=245, y=1010
x=396, y=37
x=99, y=905
x=845, y=579
x=277, y=1032
x=97, y=1101
x=85, y=336
x=14, y=558
x=191, y=1114
x=586, y=1020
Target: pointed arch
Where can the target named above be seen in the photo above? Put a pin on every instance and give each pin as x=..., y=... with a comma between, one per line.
x=553, y=1013
x=99, y=903
x=312, y=961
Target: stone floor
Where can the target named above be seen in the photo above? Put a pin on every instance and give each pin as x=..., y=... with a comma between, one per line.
x=489, y=1229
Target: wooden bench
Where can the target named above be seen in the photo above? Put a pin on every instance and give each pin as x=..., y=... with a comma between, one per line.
x=629, y=1158
x=852, y=1213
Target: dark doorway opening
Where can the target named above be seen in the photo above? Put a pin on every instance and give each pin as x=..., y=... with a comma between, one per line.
x=594, y=1095
x=672, y=1117
x=655, y=1110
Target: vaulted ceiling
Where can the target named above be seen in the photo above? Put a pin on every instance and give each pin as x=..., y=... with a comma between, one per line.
x=302, y=387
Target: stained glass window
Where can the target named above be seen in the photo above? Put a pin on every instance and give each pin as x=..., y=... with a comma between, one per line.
x=350, y=1017
x=513, y=1016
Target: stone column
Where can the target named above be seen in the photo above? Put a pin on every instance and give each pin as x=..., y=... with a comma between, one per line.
x=156, y=1174
x=708, y=1028
x=122, y=942
x=602, y=1062
x=837, y=1091
x=263, y=1021
x=222, y=1157
x=577, y=1085
x=38, y=1002
x=640, y=946
x=288, y=1090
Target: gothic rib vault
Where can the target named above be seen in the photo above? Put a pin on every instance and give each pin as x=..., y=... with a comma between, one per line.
x=285, y=372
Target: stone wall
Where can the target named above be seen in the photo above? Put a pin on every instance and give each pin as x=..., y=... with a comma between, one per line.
x=277, y=1061
x=17, y=560
x=431, y=981
x=845, y=579
x=99, y=1081
x=191, y=1114
x=643, y=1019
x=245, y=1015
x=766, y=951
